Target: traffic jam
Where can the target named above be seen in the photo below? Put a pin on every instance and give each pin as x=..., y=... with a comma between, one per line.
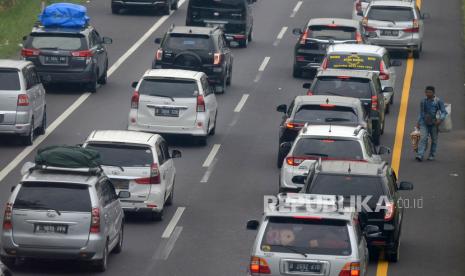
x=109, y=176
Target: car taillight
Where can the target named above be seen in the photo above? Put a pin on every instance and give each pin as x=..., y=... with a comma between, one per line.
x=350, y=269
x=358, y=5
x=258, y=266
x=135, y=100
x=290, y=125
x=304, y=36
x=159, y=54
x=358, y=37
x=299, y=58
x=374, y=103
x=217, y=57
x=414, y=29
x=30, y=52
x=200, y=103
x=324, y=64
x=154, y=174
x=390, y=208
x=95, y=221
x=85, y=53
x=383, y=74
x=23, y=100
x=7, y=225
x=295, y=161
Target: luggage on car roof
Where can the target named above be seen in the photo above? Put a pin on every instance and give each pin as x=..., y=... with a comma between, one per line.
x=68, y=157
x=65, y=15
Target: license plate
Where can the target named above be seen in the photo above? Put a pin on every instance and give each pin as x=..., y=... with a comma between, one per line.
x=390, y=32
x=167, y=112
x=56, y=60
x=304, y=267
x=120, y=184
x=47, y=228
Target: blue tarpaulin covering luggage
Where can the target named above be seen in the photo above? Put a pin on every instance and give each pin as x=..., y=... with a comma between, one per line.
x=64, y=15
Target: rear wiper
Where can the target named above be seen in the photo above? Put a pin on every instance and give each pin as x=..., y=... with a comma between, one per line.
x=291, y=249
x=333, y=93
x=49, y=48
x=163, y=96
x=31, y=204
x=316, y=154
x=336, y=120
x=116, y=166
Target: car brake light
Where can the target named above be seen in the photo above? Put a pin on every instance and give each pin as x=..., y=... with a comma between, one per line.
x=159, y=54
x=23, y=100
x=383, y=74
x=358, y=37
x=332, y=25
x=135, y=100
x=85, y=53
x=328, y=141
x=154, y=176
x=389, y=215
x=296, y=161
x=299, y=58
x=350, y=269
x=324, y=64
x=343, y=77
x=95, y=221
x=358, y=6
x=374, y=103
x=304, y=36
x=414, y=29
x=200, y=103
x=291, y=125
x=7, y=225
x=258, y=266
x=327, y=106
x=30, y=52
x=217, y=58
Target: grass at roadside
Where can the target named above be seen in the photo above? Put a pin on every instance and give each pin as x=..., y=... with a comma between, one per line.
x=17, y=21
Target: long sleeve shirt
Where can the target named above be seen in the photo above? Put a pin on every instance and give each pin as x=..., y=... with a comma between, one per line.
x=432, y=107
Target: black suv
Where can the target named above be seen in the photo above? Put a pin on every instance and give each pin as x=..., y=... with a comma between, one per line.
x=316, y=36
x=374, y=182
x=364, y=85
x=201, y=49
x=164, y=5
x=235, y=16
x=68, y=55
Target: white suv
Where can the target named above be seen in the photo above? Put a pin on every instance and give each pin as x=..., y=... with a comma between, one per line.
x=140, y=163
x=325, y=142
x=169, y=101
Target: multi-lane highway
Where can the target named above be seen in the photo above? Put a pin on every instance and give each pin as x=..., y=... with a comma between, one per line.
x=220, y=186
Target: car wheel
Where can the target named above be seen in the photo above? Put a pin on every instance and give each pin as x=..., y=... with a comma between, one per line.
x=244, y=43
x=102, y=264
x=250, y=35
x=228, y=80
x=169, y=201
x=92, y=85
x=167, y=9
x=388, y=108
x=29, y=138
x=220, y=89
x=213, y=131
x=103, y=79
x=391, y=100
x=119, y=247
x=8, y=261
x=296, y=72
x=43, y=127
x=416, y=53
x=394, y=254
x=174, y=6
x=115, y=9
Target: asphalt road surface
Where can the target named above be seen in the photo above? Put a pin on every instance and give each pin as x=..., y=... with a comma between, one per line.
x=203, y=233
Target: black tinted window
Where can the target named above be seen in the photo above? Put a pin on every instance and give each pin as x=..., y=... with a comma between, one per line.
x=221, y=4
x=325, y=237
x=188, y=42
x=9, y=80
x=391, y=14
x=332, y=32
x=322, y=114
x=60, y=42
x=48, y=196
x=176, y=88
x=343, y=86
x=356, y=62
x=123, y=155
x=337, y=149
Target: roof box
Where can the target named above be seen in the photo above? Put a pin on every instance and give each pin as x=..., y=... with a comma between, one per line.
x=64, y=15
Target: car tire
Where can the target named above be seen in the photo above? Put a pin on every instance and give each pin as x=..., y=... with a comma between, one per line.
x=222, y=88
x=391, y=100
x=250, y=37
x=29, y=138
x=393, y=254
x=119, y=246
x=244, y=43
x=170, y=199
x=167, y=9
x=102, y=264
x=103, y=79
x=229, y=78
x=115, y=9
x=43, y=127
x=296, y=72
x=174, y=6
x=8, y=261
x=213, y=131
x=280, y=160
x=387, y=109
x=92, y=85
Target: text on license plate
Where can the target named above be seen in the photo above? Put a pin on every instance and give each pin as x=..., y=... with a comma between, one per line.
x=56, y=60
x=47, y=228
x=390, y=32
x=169, y=112
x=304, y=267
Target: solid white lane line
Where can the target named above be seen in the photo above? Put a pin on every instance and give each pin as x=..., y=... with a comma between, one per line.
x=296, y=8
x=211, y=156
x=264, y=64
x=281, y=33
x=174, y=220
x=79, y=101
x=241, y=103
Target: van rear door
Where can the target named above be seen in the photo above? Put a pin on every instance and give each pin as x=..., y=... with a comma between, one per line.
x=9, y=90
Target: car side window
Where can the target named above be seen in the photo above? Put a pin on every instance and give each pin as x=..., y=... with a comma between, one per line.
x=205, y=86
x=391, y=183
x=108, y=192
x=161, y=158
x=220, y=42
x=93, y=38
x=29, y=78
x=291, y=107
x=387, y=60
x=165, y=150
x=35, y=77
x=368, y=145
x=377, y=84
x=418, y=12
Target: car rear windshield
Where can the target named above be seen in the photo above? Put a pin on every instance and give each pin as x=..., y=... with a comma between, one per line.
x=348, y=185
x=53, y=196
x=9, y=79
x=122, y=155
x=56, y=42
x=308, y=236
x=343, y=86
x=328, y=148
x=188, y=42
x=391, y=14
x=332, y=32
x=326, y=113
x=175, y=88
x=354, y=62
x=219, y=4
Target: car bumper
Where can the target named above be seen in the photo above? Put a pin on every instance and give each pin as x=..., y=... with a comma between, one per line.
x=16, y=129
x=397, y=44
x=215, y=74
x=67, y=77
x=154, y=203
x=140, y=4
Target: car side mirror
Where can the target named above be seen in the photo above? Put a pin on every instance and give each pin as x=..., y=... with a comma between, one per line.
x=396, y=63
x=157, y=40
x=297, y=31
x=284, y=148
x=405, y=186
x=107, y=40
x=281, y=108
x=384, y=150
x=372, y=231
x=124, y=194
x=307, y=85
x=176, y=154
x=388, y=90
x=425, y=16
x=134, y=84
x=252, y=224
x=299, y=179
x=12, y=188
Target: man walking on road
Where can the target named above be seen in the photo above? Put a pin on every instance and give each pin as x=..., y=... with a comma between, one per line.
x=429, y=121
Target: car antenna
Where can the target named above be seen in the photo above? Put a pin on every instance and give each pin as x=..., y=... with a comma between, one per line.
x=349, y=170
x=327, y=101
x=330, y=128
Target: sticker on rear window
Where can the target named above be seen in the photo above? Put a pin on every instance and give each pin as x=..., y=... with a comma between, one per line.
x=356, y=62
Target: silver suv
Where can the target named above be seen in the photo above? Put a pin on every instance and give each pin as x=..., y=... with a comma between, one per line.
x=62, y=213
x=22, y=101
x=293, y=239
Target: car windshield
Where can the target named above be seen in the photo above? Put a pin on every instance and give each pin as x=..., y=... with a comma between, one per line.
x=56, y=42
x=394, y=14
x=343, y=86
x=122, y=155
x=53, y=196
x=171, y=88
x=353, y=62
x=328, y=148
x=188, y=42
x=332, y=32
x=326, y=113
x=219, y=4
x=347, y=185
x=307, y=236
x=9, y=79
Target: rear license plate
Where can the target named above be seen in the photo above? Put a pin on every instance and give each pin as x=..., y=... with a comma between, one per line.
x=304, y=267
x=390, y=32
x=48, y=228
x=56, y=60
x=167, y=112
x=120, y=184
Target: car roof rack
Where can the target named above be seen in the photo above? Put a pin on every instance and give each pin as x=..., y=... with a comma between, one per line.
x=88, y=171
